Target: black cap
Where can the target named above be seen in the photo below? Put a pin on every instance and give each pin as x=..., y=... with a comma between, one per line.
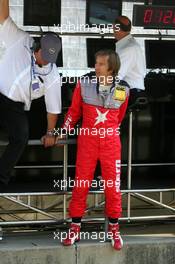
x=50, y=47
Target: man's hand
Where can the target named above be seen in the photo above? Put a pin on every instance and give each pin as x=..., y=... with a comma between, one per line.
x=58, y=138
x=48, y=141
x=4, y=10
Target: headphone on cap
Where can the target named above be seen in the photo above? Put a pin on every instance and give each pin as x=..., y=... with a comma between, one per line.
x=36, y=44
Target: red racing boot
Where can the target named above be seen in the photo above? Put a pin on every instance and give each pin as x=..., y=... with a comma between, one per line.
x=114, y=235
x=73, y=235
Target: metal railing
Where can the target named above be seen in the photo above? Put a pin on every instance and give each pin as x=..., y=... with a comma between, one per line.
x=24, y=199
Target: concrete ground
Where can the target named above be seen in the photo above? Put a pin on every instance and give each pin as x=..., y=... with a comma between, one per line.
x=143, y=244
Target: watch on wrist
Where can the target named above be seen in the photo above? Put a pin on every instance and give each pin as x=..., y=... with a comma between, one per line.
x=50, y=132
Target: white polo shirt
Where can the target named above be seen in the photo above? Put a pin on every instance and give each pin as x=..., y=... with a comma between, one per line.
x=133, y=68
x=16, y=68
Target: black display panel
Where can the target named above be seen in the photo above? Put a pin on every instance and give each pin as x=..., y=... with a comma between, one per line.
x=160, y=54
x=42, y=12
x=94, y=45
x=155, y=17
x=102, y=12
x=164, y=2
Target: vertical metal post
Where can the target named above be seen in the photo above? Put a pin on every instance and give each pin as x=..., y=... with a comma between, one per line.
x=65, y=179
x=28, y=200
x=36, y=205
x=96, y=200
x=129, y=163
x=161, y=197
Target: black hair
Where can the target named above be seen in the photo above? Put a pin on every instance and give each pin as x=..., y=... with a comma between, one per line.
x=124, y=27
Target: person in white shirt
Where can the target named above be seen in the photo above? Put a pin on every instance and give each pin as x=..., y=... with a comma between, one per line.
x=133, y=68
x=27, y=71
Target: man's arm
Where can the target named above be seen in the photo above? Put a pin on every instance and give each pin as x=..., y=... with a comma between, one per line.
x=4, y=10
x=51, y=121
x=53, y=105
x=49, y=139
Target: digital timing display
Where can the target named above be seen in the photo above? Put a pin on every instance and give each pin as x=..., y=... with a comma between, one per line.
x=148, y=16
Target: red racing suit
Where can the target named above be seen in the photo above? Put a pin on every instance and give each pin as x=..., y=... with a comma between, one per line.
x=99, y=113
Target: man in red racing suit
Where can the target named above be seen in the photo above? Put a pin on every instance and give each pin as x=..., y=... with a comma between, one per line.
x=102, y=112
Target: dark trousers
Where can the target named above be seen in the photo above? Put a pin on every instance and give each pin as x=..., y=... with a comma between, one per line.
x=14, y=121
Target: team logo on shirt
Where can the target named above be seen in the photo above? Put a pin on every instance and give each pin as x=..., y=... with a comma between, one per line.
x=101, y=117
x=118, y=171
x=119, y=93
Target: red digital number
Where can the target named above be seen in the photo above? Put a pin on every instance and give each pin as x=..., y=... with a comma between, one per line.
x=173, y=21
x=168, y=17
x=148, y=16
x=158, y=16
